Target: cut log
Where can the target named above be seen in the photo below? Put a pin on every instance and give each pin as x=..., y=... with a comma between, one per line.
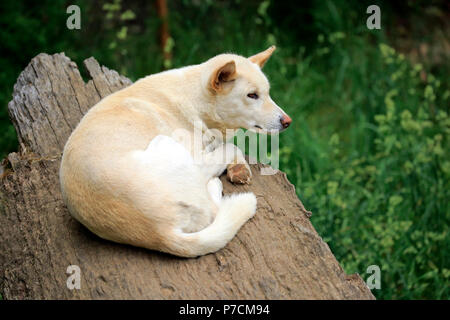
x=276, y=255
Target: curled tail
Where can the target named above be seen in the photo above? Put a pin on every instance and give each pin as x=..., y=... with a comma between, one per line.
x=234, y=211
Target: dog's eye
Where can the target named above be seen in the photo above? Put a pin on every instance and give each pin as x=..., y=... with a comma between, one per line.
x=252, y=96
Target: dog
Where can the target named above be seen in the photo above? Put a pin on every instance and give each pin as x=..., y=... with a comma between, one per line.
x=127, y=179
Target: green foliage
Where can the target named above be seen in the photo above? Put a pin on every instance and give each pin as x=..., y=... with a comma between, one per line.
x=27, y=29
x=368, y=147
x=388, y=204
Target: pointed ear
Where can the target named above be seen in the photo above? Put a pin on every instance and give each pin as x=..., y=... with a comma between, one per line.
x=222, y=75
x=262, y=57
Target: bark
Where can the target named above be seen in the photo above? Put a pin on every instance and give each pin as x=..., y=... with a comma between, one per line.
x=276, y=255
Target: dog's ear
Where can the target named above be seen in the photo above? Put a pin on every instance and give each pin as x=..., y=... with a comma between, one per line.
x=222, y=75
x=262, y=57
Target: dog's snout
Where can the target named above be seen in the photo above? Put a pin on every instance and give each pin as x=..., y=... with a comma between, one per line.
x=285, y=121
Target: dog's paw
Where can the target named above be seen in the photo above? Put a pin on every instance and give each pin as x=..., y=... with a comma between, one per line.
x=239, y=173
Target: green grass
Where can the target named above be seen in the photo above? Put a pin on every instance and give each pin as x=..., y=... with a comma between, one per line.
x=372, y=163
x=368, y=153
x=368, y=148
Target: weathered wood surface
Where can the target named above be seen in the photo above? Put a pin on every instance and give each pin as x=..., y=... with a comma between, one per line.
x=276, y=255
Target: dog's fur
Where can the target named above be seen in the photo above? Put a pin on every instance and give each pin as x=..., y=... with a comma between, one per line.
x=127, y=180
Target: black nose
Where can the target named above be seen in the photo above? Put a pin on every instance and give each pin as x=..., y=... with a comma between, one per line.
x=285, y=121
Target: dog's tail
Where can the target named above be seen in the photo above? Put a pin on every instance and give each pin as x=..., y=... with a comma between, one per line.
x=233, y=212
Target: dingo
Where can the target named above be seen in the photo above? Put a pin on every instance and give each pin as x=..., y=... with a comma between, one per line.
x=126, y=179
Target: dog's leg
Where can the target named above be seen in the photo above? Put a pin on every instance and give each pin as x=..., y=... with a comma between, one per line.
x=215, y=162
x=238, y=171
x=230, y=157
x=215, y=188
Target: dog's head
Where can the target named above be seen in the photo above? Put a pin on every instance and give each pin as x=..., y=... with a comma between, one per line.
x=240, y=92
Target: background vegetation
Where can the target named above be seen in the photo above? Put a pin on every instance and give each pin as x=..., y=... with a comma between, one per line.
x=368, y=150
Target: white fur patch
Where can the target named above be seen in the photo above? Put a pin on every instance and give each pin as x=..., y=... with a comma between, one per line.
x=167, y=148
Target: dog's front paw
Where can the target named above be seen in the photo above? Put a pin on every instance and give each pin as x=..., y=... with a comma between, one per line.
x=239, y=173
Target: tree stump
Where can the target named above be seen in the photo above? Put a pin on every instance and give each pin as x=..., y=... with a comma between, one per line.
x=276, y=255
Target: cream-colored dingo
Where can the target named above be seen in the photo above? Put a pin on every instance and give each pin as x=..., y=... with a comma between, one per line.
x=126, y=178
